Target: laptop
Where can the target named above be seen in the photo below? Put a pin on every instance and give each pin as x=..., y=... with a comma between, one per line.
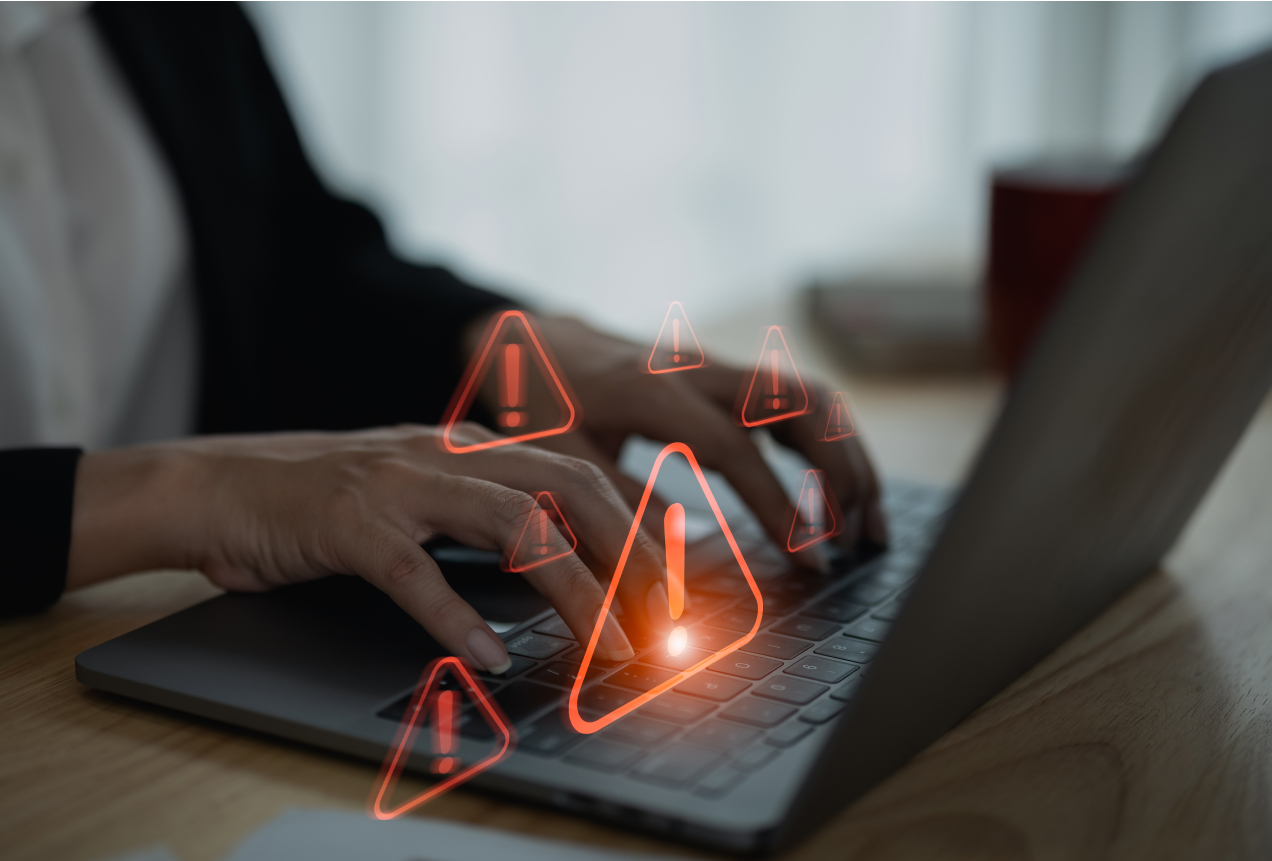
x=1146, y=377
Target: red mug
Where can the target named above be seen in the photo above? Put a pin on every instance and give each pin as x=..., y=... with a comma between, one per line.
x=1041, y=218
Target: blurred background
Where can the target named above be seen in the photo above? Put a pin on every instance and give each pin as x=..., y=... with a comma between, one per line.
x=605, y=159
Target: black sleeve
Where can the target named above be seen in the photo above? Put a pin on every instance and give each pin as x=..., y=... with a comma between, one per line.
x=37, y=489
x=307, y=318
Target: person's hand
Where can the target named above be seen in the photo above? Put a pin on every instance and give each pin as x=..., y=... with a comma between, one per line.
x=696, y=407
x=255, y=512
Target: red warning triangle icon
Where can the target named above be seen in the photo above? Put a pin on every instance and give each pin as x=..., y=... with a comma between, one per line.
x=677, y=347
x=817, y=515
x=513, y=367
x=838, y=421
x=685, y=653
x=438, y=703
x=775, y=391
x=544, y=536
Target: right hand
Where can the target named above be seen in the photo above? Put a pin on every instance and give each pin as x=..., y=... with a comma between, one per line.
x=255, y=512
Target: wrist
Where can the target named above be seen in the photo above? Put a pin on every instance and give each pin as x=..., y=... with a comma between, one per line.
x=131, y=512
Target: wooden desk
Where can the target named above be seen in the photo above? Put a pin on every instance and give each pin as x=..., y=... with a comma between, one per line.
x=1145, y=736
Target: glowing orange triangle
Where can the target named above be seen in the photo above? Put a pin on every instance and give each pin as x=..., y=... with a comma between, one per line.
x=838, y=420
x=817, y=515
x=510, y=348
x=422, y=704
x=677, y=347
x=577, y=720
x=535, y=545
x=775, y=391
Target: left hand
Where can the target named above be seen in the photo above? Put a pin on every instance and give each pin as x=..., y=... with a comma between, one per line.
x=695, y=407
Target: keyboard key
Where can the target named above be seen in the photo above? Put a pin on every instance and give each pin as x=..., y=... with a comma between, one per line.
x=869, y=628
x=788, y=690
x=822, y=711
x=848, y=649
x=537, y=645
x=847, y=690
x=756, y=757
x=736, y=619
x=678, y=764
x=757, y=712
x=548, y=736
x=675, y=708
x=640, y=730
x=835, y=610
x=865, y=592
x=712, y=686
x=518, y=701
x=555, y=627
x=822, y=670
x=745, y=666
x=720, y=782
x=724, y=584
x=717, y=733
x=711, y=638
x=605, y=755
x=683, y=661
x=519, y=666
x=602, y=699
x=562, y=674
x=775, y=646
x=894, y=577
x=638, y=677
x=785, y=736
x=889, y=611
x=808, y=629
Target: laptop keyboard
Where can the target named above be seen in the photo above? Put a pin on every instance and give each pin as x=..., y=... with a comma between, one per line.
x=715, y=729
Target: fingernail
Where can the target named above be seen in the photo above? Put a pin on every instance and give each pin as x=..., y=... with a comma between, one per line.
x=488, y=651
x=876, y=525
x=614, y=641
x=658, y=608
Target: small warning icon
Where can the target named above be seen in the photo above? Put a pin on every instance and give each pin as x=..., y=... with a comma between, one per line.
x=838, y=421
x=438, y=704
x=816, y=516
x=544, y=536
x=514, y=370
x=684, y=653
x=775, y=391
x=677, y=347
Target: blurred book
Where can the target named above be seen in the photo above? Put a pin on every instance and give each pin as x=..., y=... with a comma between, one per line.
x=907, y=325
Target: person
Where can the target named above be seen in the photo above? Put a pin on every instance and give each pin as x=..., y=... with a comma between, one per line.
x=170, y=263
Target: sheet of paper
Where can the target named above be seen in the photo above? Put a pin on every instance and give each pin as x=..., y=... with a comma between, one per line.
x=324, y=835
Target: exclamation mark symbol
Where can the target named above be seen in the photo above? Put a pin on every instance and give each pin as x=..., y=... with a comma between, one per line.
x=812, y=513
x=675, y=340
x=445, y=740
x=777, y=391
x=512, y=383
x=543, y=532
x=674, y=530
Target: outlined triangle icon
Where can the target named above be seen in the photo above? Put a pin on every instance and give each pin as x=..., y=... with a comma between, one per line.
x=817, y=516
x=536, y=544
x=775, y=392
x=686, y=662
x=838, y=420
x=516, y=367
x=442, y=676
x=677, y=347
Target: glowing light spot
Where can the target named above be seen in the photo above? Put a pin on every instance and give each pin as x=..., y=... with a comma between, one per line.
x=677, y=641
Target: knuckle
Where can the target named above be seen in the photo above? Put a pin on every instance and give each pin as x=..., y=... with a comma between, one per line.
x=509, y=507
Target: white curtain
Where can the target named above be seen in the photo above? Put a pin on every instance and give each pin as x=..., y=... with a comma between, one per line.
x=609, y=158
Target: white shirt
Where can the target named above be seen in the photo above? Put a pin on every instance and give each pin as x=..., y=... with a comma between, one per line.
x=97, y=325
